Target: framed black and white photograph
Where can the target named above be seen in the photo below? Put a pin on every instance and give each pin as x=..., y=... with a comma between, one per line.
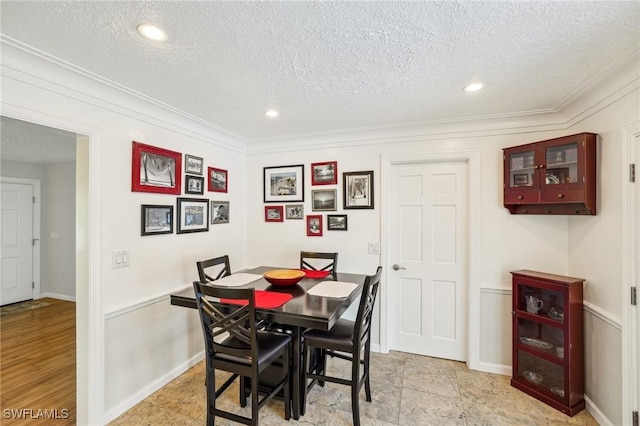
x=324, y=200
x=273, y=214
x=156, y=219
x=358, y=190
x=294, y=211
x=324, y=173
x=218, y=180
x=193, y=215
x=155, y=169
x=314, y=225
x=219, y=212
x=193, y=185
x=336, y=222
x=283, y=184
x=193, y=165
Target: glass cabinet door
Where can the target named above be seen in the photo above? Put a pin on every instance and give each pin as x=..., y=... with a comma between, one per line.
x=521, y=169
x=561, y=164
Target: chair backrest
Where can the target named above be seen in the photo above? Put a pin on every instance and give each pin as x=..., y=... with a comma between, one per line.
x=362, y=330
x=221, y=272
x=239, y=322
x=307, y=263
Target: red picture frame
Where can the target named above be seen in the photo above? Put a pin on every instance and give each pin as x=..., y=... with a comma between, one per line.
x=273, y=213
x=155, y=169
x=314, y=225
x=218, y=180
x=324, y=173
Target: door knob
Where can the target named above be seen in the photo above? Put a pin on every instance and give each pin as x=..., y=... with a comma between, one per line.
x=397, y=267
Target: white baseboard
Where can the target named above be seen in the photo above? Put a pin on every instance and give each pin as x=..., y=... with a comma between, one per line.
x=145, y=392
x=58, y=296
x=488, y=367
x=596, y=413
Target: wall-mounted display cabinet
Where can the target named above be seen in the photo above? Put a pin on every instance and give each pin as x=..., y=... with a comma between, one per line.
x=548, y=348
x=555, y=176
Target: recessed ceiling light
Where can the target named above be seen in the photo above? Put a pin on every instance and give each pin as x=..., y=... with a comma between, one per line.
x=272, y=113
x=473, y=87
x=152, y=32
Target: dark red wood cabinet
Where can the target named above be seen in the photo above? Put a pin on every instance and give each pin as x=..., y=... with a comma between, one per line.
x=548, y=348
x=555, y=176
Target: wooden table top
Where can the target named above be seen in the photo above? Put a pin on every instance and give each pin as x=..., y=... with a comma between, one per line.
x=304, y=310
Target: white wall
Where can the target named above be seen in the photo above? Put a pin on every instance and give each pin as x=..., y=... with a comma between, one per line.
x=58, y=231
x=147, y=341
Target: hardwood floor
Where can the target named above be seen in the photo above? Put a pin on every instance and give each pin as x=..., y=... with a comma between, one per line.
x=38, y=366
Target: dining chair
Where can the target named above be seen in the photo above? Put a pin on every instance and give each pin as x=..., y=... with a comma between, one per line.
x=206, y=276
x=328, y=262
x=347, y=340
x=233, y=343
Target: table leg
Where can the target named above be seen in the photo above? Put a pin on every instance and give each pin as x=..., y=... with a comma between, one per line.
x=297, y=380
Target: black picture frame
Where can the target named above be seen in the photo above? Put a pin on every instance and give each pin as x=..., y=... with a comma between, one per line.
x=283, y=184
x=193, y=185
x=357, y=190
x=336, y=222
x=193, y=215
x=156, y=219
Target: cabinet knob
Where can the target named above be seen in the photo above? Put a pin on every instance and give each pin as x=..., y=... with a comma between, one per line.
x=542, y=166
x=560, y=195
x=520, y=197
x=535, y=167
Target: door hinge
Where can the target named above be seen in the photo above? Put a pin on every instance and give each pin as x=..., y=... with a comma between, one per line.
x=632, y=172
x=634, y=418
x=33, y=199
x=33, y=284
x=633, y=296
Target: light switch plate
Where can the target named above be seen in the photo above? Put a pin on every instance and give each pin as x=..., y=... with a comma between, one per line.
x=119, y=259
x=374, y=248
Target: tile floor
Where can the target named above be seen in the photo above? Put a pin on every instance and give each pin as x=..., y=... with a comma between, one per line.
x=407, y=390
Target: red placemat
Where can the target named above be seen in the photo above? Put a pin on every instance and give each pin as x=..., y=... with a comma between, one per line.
x=264, y=299
x=310, y=273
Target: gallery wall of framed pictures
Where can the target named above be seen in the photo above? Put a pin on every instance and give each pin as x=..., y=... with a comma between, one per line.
x=286, y=185
x=159, y=170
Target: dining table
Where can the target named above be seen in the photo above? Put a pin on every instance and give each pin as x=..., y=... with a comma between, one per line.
x=303, y=311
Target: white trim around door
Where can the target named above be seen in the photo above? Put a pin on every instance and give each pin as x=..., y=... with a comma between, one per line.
x=89, y=312
x=472, y=158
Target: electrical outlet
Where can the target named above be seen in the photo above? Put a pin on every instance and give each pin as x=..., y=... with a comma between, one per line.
x=374, y=248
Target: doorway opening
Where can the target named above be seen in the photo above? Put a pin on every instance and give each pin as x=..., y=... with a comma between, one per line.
x=59, y=160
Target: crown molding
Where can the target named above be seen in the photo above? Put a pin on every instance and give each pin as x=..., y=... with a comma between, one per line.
x=31, y=66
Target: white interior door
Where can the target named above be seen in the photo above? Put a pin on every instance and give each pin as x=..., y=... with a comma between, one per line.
x=427, y=294
x=17, y=242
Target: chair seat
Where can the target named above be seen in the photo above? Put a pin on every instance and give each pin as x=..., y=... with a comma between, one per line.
x=270, y=345
x=340, y=337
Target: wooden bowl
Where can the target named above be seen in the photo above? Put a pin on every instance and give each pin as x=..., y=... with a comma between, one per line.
x=284, y=277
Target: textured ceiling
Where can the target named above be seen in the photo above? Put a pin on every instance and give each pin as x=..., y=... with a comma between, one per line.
x=330, y=66
x=32, y=143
